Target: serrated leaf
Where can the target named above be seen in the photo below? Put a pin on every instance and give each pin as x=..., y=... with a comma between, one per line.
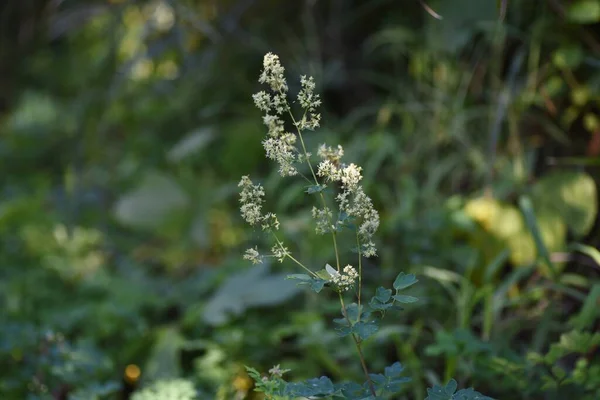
x=405, y=299
x=403, y=281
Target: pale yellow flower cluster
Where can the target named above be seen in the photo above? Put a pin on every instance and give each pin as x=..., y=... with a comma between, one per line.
x=352, y=199
x=346, y=279
x=252, y=197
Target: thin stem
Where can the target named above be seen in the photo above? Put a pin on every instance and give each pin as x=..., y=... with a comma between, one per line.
x=287, y=254
x=302, y=265
x=312, y=171
x=359, y=272
x=358, y=348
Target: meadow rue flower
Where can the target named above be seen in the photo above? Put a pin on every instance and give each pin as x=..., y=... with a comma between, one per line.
x=262, y=100
x=322, y=217
x=354, y=202
x=283, y=150
x=280, y=252
x=328, y=153
x=274, y=125
x=329, y=171
x=270, y=222
x=253, y=256
x=277, y=371
x=272, y=73
x=351, y=176
x=346, y=279
x=309, y=101
x=251, y=198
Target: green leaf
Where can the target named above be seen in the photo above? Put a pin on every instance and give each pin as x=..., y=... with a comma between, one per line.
x=448, y=393
x=571, y=195
x=163, y=362
x=365, y=329
x=315, y=284
x=584, y=12
x=191, y=145
x=315, y=189
x=352, y=311
x=405, y=299
x=403, y=281
x=312, y=387
x=394, y=370
x=568, y=56
x=152, y=203
x=531, y=222
x=383, y=295
x=590, y=311
x=249, y=288
x=589, y=251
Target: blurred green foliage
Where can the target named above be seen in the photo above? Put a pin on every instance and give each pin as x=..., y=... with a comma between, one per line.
x=125, y=126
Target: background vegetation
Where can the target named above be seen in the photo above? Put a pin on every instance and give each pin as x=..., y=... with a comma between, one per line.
x=126, y=125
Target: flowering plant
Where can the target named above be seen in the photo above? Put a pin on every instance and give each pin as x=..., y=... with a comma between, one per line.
x=354, y=211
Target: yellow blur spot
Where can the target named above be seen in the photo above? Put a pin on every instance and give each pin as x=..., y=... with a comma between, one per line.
x=132, y=373
x=242, y=383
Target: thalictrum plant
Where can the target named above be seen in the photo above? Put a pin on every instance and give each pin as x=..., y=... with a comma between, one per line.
x=349, y=208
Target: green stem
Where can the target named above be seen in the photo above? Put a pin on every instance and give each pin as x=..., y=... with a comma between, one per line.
x=359, y=272
x=312, y=171
x=358, y=347
x=280, y=244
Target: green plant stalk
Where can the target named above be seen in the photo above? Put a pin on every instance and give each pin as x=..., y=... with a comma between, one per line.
x=358, y=348
x=451, y=362
x=488, y=313
x=359, y=273
x=337, y=260
x=312, y=171
x=293, y=259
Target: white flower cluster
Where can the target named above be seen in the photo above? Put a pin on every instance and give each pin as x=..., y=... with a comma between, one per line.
x=346, y=279
x=282, y=150
x=331, y=154
x=309, y=102
x=278, y=371
x=273, y=73
x=352, y=199
x=280, y=252
x=253, y=256
x=252, y=197
x=279, y=145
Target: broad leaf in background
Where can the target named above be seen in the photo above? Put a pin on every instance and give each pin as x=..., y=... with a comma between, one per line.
x=164, y=359
x=448, y=393
x=190, y=145
x=152, y=203
x=584, y=11
x=571, y=195
x=249, y=288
